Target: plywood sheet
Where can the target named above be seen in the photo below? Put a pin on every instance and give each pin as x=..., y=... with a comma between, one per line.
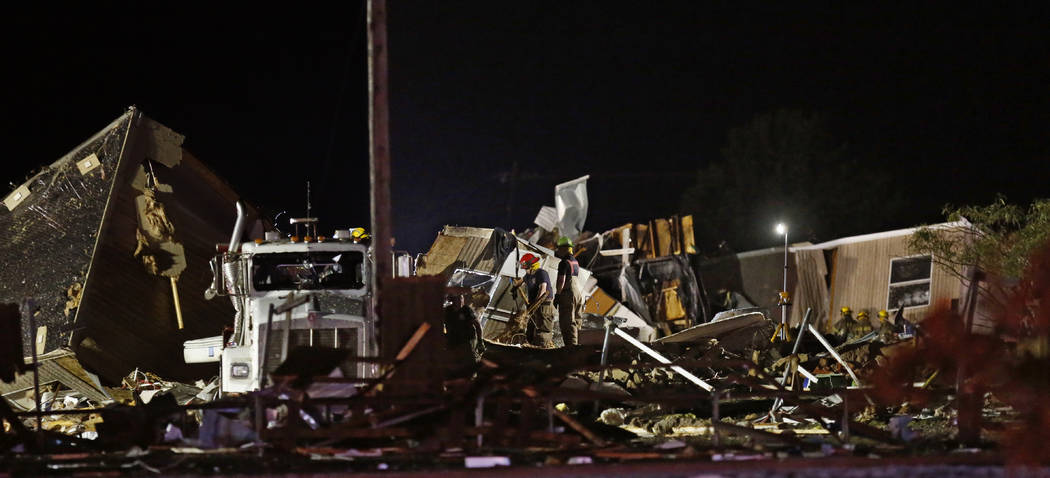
x=664, y=237
x=688, y=240
x=600, y=303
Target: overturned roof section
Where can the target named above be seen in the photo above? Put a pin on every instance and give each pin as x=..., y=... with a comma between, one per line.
x=461, y=248
x=98, y=238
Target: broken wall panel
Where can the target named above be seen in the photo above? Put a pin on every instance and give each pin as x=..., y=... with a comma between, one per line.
x=812, y=289
x=82, y=228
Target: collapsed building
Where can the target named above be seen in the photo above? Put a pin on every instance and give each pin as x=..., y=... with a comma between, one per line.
x=110, y=244
x=487, y=260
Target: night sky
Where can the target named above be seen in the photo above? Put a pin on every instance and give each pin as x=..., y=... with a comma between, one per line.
x=955, y=103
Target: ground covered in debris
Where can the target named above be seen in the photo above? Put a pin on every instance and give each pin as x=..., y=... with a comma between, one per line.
x=517, y=406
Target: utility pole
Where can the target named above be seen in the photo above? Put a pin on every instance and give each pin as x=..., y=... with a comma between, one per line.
x=379, y=142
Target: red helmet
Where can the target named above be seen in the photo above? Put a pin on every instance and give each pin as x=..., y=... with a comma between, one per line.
x=528, y=260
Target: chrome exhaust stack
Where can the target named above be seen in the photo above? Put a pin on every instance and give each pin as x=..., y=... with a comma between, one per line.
x=238, y=229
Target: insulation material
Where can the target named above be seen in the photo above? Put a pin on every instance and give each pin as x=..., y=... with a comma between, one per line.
x=157, y=248
x=73, y=293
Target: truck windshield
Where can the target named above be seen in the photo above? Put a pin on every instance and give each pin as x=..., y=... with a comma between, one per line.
x=308, y=270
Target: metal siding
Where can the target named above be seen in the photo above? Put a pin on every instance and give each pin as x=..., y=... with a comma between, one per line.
x=862, y=278
x=459, y=247
x=812, y=289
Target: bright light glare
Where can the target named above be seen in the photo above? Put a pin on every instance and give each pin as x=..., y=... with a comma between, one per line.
x=781, y=228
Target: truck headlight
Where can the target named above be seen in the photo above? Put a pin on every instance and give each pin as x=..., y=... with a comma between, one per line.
x=240, y=370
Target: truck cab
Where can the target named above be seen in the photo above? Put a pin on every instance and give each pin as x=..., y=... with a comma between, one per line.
x=290, y=292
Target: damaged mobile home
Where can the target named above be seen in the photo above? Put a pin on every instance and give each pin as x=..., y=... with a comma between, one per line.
x=865, y=273
x=111, y=243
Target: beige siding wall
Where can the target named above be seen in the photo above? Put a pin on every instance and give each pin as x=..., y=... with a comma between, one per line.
x=862, y=273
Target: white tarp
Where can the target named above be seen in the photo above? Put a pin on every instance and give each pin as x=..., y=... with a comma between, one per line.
x=570, y=200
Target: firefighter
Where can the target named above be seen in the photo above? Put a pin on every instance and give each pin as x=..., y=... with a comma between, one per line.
x=360, y=236
x=462, y=334
x=846, y=323
x=567, y=292
x=538, y=296
x=887, y=330
x=863, y=324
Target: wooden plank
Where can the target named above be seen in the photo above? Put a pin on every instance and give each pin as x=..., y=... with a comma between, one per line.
x=599, y=303
x=688, y=239
x=664, y=237
x=642, y=241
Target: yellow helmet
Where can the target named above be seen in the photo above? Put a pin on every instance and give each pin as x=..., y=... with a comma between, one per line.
x=883, y=314
x=863, y=314
x=845, y=310
x=359, y=234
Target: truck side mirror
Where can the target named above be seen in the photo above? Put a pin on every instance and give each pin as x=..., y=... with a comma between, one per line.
x=218, y=284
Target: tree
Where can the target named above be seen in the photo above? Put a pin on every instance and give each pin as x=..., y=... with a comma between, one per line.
x=785, y=166
x=1000, y=241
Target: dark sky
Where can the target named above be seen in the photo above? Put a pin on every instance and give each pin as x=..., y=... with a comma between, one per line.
x=954, y=102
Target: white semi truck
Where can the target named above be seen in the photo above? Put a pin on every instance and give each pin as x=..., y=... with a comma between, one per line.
x=321, y=288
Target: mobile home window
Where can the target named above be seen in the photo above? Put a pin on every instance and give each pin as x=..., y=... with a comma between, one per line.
x=910, y=281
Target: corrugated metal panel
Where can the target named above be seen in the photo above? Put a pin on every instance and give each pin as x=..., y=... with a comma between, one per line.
x=459, y=248
x=59, y=366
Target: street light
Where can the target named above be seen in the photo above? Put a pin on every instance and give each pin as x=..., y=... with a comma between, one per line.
x=782, y=229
